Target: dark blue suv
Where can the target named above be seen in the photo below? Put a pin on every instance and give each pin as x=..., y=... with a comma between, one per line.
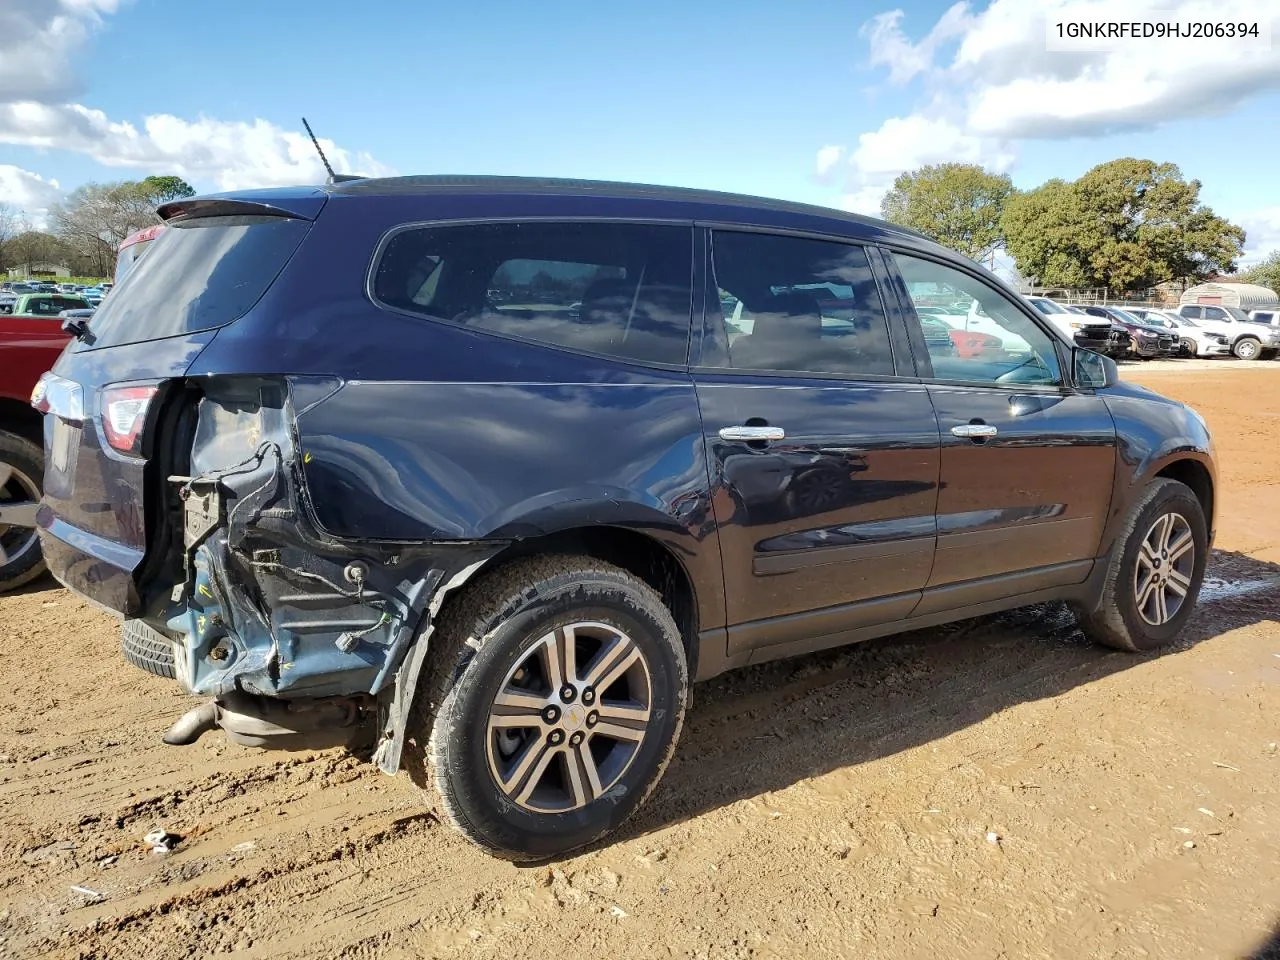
x=493, y=469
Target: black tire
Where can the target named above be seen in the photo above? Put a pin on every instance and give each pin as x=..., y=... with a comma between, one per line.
x=490, y=631
x=1117, y=621
x=27, y=462
x=1247, y=348
x=1268, y=354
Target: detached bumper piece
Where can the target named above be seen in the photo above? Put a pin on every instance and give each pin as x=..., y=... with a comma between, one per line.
x=279, y=724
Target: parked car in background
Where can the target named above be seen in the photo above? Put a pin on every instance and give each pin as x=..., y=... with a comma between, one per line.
x=1269, y=317
x=1249, y=340
x=1147, y=343
x=968, y=343
x=46, y=304
x=513, y=593
x=1067, y=319
x=1196, y=341
x=1104, y=337
x=93, y=295
x=29, y=346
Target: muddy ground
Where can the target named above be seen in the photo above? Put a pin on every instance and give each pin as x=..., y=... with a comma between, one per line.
x=838, y=805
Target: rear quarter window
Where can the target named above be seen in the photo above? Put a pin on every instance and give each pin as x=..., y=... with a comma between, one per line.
x=199, y=274
x=618, y=289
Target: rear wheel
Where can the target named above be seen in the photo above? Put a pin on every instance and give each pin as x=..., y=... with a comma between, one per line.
x=21, y=481
x=1247, y=348
x=1154, y=573
x=557, y=695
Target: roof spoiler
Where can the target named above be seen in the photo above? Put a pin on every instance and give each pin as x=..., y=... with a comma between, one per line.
x=293, y=208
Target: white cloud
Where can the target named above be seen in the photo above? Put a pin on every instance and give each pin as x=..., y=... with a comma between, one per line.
x=828, y=158
x=1262, y=234
x=27, y=192
x=231, y=154
x=39, y=40
x=1004, y=82
x=891, y=48
x=904, y=143
x=989, y=81
x=39, y=43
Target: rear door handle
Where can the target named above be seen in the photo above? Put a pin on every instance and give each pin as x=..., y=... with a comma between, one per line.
x=752, y=433
x=974, y=431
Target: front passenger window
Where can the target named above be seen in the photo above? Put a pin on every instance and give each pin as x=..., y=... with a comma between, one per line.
x=989, y=339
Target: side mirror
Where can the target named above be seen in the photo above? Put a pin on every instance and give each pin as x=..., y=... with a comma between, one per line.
x=1093, y=369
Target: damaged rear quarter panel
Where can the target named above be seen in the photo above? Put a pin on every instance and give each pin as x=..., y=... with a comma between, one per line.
x=273, y=605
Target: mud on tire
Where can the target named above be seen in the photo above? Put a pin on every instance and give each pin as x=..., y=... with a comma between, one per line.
x=1119, y=620
x=505, y=631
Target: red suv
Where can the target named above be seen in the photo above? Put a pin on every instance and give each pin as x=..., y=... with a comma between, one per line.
x=29, y=345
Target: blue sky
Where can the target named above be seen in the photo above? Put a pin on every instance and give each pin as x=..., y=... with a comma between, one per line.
x=813, y=100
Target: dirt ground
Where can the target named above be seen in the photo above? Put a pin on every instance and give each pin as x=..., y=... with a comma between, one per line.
x=994, y=789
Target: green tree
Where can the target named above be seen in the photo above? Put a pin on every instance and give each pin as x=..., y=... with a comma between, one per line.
x=158, y=190
x=957, y=204
x=95, y=217
x=1266, y=273
x=32, y=247
x=1125, y=225
x=8, y=228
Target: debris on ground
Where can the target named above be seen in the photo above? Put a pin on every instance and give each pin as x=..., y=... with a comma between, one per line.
x=161, y=840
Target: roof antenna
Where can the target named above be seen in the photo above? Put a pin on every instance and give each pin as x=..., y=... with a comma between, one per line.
x=333, y=177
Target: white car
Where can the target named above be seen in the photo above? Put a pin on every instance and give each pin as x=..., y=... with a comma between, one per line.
x=1068, y=321
x=1271, y=317
x=1198, y=340
x=1249, y=340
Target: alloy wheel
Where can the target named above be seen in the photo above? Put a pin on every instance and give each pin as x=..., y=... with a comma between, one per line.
x=569, y=718
x=1162, y=575
x=19, y=497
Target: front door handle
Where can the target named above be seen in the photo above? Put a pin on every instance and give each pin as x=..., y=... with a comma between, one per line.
x=974, y=431
x=752, y=433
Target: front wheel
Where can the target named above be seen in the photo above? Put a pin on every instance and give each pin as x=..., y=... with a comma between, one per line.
x=1247, y=348
x=557, y=694
x=1155, y=571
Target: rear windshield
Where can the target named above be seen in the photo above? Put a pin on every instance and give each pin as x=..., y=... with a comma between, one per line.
x=198, y=274
x=129, y=257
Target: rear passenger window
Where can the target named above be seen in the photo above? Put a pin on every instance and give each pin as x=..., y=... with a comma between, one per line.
x=623, y=290
x=798, y=305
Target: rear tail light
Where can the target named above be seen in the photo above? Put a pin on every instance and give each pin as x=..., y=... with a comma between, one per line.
x=124, y=414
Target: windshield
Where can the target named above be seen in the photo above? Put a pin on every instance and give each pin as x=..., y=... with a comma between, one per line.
x=199, y=274
x=1048, y=306
x=1124, y=315
x=1237, y=314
